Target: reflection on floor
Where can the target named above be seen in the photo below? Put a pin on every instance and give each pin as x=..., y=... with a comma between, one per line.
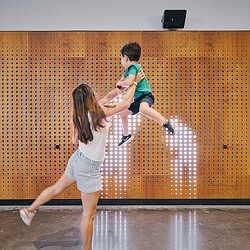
x=130, y=228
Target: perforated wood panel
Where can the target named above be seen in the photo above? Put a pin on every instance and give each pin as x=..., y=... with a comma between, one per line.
x=200, y=81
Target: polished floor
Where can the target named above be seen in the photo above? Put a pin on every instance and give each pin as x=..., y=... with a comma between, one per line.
x=130, y=228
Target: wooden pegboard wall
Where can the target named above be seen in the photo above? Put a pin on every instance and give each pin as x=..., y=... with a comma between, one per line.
x=200, y=81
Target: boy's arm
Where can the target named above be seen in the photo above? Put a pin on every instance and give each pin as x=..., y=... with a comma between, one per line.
x=126, y=82
x=113, y=93
x=124, y=104
x=130, y=79
x=122, y=78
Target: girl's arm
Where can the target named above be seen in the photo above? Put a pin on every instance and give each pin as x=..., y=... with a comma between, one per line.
x=124, y=104
x=110, y=96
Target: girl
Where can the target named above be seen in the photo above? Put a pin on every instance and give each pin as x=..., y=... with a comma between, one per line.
x=91, y=130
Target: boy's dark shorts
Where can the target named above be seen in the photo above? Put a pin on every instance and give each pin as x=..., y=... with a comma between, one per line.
x=135, y=106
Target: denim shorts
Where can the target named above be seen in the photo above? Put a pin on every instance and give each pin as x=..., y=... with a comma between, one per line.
x=85, y=172
x=135, y=106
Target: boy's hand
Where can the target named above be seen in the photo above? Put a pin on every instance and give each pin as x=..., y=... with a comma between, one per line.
x=140, y=75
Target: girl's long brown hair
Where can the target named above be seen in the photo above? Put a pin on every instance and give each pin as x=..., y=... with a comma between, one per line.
x=84, y=102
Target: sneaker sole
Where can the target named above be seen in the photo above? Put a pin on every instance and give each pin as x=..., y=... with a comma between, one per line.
x=24, y=218
x=176, y=131
x=130, y=139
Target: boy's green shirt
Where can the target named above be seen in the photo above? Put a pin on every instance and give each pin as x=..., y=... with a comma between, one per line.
x=143, y=86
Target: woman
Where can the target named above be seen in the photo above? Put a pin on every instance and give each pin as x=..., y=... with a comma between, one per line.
x=90, y=129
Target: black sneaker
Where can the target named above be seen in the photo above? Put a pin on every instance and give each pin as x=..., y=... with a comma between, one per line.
x=126, y=139
x=170, y=128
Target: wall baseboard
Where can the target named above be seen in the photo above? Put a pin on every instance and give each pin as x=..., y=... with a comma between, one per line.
x=124, y=202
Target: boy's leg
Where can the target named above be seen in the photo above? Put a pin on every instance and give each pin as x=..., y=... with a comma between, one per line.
x=152, y=113
x=157, y=117
x=126, y=137
x=124, y=117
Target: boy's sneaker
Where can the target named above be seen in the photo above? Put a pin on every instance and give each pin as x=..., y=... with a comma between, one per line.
x=172, y=130
x=126, y=139
x=27, y=216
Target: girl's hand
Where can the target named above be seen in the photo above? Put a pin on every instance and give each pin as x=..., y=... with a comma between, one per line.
x=120, y=89
x=140, y=75
x=110, y=105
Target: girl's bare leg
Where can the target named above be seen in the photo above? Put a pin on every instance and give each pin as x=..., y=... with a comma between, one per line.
x=89, y=202
x=63, y=183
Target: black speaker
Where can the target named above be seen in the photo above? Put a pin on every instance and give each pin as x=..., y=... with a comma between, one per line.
x=173, y=19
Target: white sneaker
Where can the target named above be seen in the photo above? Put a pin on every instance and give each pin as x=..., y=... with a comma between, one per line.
x=27, y=216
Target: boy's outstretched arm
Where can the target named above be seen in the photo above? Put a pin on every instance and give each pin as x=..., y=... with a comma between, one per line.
x=124, y=104
x=113, y=93
x=126, y=82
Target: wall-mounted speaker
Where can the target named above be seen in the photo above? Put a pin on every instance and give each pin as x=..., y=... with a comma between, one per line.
x=173, y=19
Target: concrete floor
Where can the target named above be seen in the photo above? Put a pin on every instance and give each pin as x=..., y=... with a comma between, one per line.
x=130, y=228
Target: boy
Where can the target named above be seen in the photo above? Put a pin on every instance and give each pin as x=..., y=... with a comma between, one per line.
x=143, y=98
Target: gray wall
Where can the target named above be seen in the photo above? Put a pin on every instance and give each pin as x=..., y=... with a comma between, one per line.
x=31, y=15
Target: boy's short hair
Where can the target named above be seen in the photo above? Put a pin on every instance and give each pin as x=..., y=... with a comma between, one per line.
x=132, y=50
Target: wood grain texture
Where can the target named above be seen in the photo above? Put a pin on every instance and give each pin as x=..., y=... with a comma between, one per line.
x=200, y=81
